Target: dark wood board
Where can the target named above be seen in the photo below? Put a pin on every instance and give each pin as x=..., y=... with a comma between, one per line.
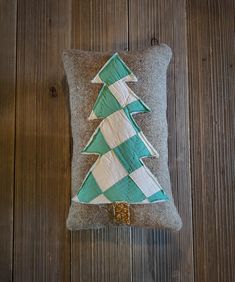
x=42, y=164
x=172, y=253
x=7, y=133
x=211, y=88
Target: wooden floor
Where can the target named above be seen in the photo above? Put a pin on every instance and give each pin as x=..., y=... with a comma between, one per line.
x=35, y=141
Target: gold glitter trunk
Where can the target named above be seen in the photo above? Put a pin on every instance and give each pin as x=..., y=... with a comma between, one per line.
x=121, y=212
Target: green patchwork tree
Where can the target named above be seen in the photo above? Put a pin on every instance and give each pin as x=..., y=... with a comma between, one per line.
x=119, y=174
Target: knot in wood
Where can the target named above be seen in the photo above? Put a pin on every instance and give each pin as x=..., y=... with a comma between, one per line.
x=154, y=41
x=53, y=91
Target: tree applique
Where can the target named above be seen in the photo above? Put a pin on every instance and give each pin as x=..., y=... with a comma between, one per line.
x=119, y=174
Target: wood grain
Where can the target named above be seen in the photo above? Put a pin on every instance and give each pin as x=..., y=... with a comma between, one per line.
x=172, y=253
x=103, y=255
x=99, y=25
x=7, y=133
x=42, y=176
x=211, y=84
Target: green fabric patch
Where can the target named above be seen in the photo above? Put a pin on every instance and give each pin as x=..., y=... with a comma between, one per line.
x=137, y=107
x=106, y=103
x=159, y=196
x=130, y=152
x=125, y=190
x=114, y=70
x=89, y=189
x=97, y=145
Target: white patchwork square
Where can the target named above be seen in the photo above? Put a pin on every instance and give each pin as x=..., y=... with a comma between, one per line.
x=96, y=79
x=75, y=199
x=145, y=180
x=116, y=129
x=92, y=116
x=122, y=93
x=146, y=201
x=130, y=77
x=108, y=170
x=101, y=199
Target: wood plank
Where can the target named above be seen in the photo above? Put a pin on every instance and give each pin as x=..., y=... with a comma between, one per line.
x=100, y=255
x=99, y=25
x=211, y=92
x=161, y=255
x=7, y=137
x=42, y=190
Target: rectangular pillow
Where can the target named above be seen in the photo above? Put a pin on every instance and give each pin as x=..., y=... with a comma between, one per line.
x=149, y=67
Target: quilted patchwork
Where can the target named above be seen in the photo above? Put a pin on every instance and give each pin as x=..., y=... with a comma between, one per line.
x=118, y=175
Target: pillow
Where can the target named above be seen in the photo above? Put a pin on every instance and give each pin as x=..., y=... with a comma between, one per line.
x=106, y=208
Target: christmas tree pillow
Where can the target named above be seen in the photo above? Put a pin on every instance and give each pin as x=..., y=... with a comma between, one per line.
x=120, y=157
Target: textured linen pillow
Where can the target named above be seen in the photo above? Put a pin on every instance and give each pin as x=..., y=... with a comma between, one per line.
x=150, y=67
